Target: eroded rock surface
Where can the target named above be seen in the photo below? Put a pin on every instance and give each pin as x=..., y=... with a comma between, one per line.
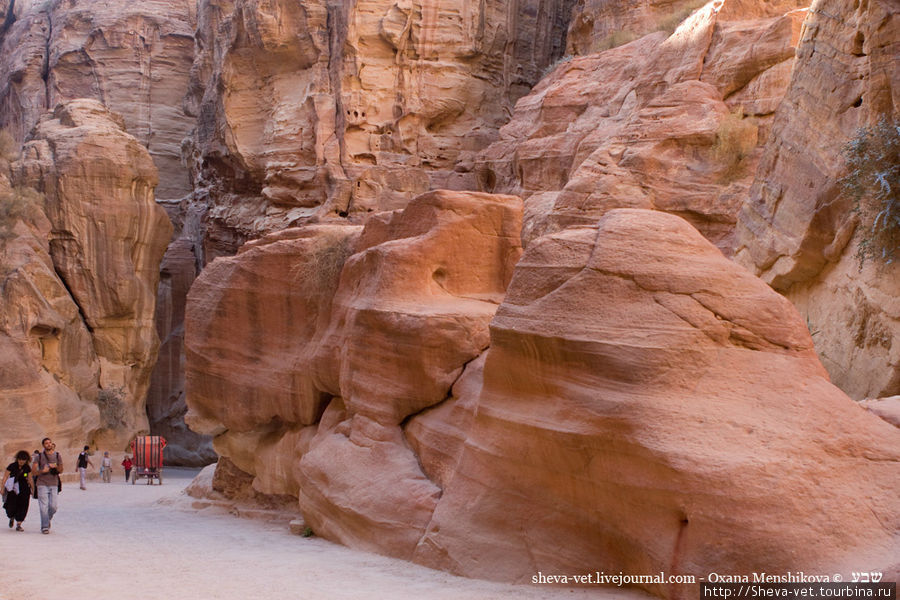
x=134, y=57
x=322, y=108
x=646, y=405
x=48, y=366
x=602, y=24
x=106, y=240
x=326, y=357
x=797, y=229
x=668, y=122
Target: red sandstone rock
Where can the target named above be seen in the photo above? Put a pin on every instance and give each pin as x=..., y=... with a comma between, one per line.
x=48, y=367
x=323, y=108
x=650, y=406
x=649, y=125
x=411, y=310
x=598, y=25
x=796, y=230
x=248, y=320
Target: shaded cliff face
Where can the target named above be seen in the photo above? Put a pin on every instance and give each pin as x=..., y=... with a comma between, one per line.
x=86, y=312
x=326, y=109
x=797, y=229
x=668, y=122
x=134, y=57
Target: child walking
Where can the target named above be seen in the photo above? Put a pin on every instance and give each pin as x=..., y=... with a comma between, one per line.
x=127, y=464
x=106, y=467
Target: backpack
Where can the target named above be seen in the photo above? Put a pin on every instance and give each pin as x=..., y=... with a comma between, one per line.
x=82, y=460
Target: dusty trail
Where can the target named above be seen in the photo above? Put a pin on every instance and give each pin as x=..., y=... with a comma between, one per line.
x=118, y=542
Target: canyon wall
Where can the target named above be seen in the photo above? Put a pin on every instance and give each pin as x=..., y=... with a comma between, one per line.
x=670, y=122
x=83, y=281
x=633, y=401
x=798, y=230
x=483, y=326
x=134, y=57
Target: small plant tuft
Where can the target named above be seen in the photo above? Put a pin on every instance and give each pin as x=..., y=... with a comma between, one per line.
x=307, y=532
x=16, y=204
x=322, y=270
x=9, y=149
x=552, y=66
x=111, y=402
x=736, y=138
x=670, y=22
x=616, y=39
x=873, y=182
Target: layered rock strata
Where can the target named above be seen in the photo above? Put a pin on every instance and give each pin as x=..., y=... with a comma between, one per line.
x=48, y=366
x=134, y=57
x=642, y=403
x=106, y=240
x=649, y=405
x=344, y=109
x=327, y=357
x=669, y=122
x=797, y=231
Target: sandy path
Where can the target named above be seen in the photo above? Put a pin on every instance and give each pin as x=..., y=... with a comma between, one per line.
x=118, y=542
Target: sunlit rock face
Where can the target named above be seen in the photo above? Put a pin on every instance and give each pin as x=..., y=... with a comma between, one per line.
x=598, y=25
x=106, y=239
x=322, y=108
x=666, y=122
x=797, y=231
x=637, y=401
x=647, y=404
x=134, y=57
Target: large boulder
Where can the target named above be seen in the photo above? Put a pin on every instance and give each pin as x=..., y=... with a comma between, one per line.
x=298, y=349
x=648, y=405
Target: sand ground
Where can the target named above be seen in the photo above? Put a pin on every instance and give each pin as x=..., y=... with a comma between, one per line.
x=119, y=542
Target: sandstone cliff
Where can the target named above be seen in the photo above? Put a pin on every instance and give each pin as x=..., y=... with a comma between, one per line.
x=338, y=108
x=134, y=57
x=669, y=122
x=90, y=321
x=797, y=228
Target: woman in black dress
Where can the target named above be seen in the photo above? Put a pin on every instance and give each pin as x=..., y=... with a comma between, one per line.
x=16, y=503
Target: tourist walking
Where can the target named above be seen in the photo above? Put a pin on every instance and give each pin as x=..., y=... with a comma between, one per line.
x=105, y=467
x=48, y=467
x=84, y=460
x=127, y=464
x=17, y=485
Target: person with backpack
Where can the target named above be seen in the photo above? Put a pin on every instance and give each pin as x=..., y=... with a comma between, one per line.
x=48, y=468
x=83, y=462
